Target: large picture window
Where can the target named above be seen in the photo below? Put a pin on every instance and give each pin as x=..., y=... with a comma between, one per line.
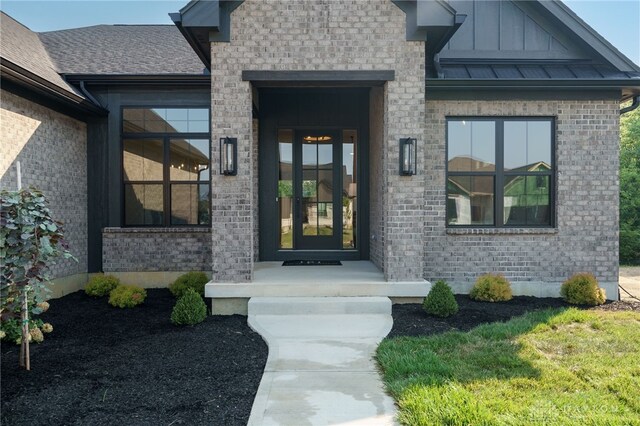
x=166, y=166
x=500, y=172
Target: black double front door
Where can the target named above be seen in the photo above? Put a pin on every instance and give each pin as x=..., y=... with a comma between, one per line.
x=309, y=208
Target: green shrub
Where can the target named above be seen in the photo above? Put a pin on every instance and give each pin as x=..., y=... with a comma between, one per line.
x=101, y=285
x=127, y=296
x=440, y=301
x=11, y=330
x=491, y=288
x=190, y=280
x=583, y=289
x=189, y=309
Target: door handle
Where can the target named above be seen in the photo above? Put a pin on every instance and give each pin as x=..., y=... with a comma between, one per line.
x=298, y=208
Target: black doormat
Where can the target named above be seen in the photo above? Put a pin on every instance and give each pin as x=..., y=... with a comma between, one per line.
x=311, y=263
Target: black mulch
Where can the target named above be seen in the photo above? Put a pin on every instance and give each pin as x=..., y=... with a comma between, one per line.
x=411, y=320
x=109, y=366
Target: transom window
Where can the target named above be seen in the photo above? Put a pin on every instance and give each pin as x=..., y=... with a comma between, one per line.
x=500, y=172
x=166, y=166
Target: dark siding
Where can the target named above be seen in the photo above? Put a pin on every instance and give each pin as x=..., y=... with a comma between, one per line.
x=104, y=157
x=501, y=28
x=486, y=20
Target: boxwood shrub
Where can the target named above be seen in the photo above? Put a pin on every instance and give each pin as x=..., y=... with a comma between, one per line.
x=440, y=301
x=191, y=280
x=583, y=289
x=101, y=285
x=491, y=288
x=189, y=309
x=127, y=296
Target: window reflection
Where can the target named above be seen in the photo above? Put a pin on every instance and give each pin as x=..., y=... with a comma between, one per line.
x=189, y=159
x=471, y=145
x=143, y=204
x=518, y=194
x=190, y=204
x=285, y=187
x=470, y=200
x=527, y=144
x=349, y=188
x=526, y=200
x=142, y=159
x=165, y=120
x=158, y=158
x=317, y=185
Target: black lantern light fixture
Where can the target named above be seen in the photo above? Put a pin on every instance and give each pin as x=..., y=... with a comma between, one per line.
x=408, y=156
x=229, y=156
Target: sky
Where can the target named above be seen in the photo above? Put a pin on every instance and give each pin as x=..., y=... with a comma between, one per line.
x=617, y=20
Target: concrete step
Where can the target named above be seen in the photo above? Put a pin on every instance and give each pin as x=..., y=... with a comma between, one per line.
x=319, y=305
x=320, y=289
x=319, y=326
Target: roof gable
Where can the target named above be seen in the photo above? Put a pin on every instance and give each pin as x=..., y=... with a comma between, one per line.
x=515, y=31
x=499, y=29
x=23, y=48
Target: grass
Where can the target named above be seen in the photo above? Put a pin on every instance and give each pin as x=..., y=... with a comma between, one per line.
x=553, y=367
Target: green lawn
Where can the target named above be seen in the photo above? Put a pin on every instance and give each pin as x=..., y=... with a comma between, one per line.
x=554, y=367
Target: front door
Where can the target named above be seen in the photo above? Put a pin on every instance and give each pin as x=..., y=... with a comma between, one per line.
x=313, y=179
x=317, y=212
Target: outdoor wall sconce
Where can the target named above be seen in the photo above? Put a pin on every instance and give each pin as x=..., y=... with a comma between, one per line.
x=408, y=156
x=229, y=156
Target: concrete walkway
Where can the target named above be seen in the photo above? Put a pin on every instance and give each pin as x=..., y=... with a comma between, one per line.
x=320, y=369
x=630, y=280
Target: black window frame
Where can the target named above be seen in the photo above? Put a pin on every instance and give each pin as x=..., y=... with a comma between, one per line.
x=166, y=182
x=499, y=174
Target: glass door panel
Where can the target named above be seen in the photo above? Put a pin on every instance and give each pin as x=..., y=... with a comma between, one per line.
x=285, y=187
x=349, y=188
x=317, y=189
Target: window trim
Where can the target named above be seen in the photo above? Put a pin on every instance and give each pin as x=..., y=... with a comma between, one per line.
x=166, y=179
x=499, y=173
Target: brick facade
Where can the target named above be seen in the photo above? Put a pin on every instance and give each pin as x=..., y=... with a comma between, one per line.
x=318, y=35
x=155, y=249
x=52, y=150
x=586, y=235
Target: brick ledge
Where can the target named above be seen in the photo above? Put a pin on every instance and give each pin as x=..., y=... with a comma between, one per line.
x=150, y=230
x=501, y=231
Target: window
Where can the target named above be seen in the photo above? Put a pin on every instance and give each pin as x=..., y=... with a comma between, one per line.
x=166, y=166
x=500, y=172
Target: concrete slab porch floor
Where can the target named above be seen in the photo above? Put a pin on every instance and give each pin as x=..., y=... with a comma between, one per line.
x=320, y=369
x=271, y=279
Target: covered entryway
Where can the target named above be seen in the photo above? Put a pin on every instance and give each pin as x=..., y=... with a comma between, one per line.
x=313, y=173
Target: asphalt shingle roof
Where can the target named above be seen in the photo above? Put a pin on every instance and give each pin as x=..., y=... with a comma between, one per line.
x=122, y=49
x=23, y=47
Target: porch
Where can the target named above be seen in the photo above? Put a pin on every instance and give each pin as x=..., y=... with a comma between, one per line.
x=351, y=279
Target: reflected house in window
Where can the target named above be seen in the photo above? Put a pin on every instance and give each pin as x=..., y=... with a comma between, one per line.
x=526, y=198
x=166, y=174
x=470, y=198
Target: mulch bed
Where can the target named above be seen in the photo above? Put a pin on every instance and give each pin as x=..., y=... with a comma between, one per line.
x=104, y=365
x=411, y=320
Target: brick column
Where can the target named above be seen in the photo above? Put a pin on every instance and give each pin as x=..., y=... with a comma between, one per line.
x=404, y=200
x=232, y=202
